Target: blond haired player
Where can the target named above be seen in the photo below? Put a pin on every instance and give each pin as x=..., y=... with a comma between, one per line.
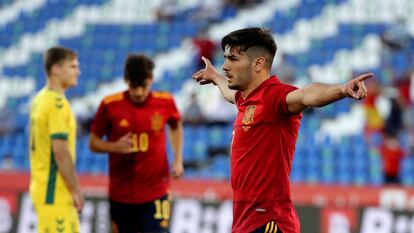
x=54, y=186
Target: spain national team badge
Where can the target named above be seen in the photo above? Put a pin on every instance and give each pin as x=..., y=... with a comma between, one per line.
x=248, y=117
x=156, y=122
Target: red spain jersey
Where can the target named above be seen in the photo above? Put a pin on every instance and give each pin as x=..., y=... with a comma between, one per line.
x=143, y=175
x=262, y=151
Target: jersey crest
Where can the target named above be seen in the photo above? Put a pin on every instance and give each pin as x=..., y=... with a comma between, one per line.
x=156, y=122
x=248, y=117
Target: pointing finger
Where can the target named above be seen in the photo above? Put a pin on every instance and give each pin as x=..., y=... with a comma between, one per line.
x=364, y=77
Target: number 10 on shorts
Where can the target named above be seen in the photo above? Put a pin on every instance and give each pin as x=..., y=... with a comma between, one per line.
x=162, y=209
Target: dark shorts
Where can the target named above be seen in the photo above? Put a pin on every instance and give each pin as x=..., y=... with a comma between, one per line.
x=270, y=227
x=149, y=217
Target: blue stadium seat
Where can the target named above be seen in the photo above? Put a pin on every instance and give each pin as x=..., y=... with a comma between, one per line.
x=32, y=22
x=345, y=177
x=360, y=178
x=216, y=137
x=196, y=152
x=327, y=165
x=407, y=171
x=221, y=167
x=375, y=167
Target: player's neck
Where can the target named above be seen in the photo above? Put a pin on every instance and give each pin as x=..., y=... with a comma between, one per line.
x=56, y=86
x=255, y=82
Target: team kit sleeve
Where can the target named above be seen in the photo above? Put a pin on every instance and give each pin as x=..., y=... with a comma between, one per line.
x=279, y=98
x=58, y=120
x=174, y=115
x=101, y=120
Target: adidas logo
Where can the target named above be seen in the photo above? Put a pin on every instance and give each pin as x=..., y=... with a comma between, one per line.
x=124, y=123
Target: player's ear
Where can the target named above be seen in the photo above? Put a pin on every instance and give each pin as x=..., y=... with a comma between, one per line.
x=55, y=69
x=259, y=63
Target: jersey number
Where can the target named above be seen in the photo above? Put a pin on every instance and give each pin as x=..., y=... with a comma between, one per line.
x=162, y=209
x=140, y=142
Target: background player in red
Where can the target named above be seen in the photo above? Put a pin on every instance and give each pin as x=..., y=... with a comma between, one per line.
x=133, y=122
x=266, y=128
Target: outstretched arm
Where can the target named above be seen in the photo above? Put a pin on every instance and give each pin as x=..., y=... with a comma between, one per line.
x=211, y=75
x=320, y=94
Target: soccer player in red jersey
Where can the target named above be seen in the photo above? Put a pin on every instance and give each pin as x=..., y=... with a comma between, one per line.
x=266, y=128
x=133, y=122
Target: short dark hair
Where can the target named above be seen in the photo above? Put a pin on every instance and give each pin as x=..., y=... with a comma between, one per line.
x=258, y=38
x=56, y=55
x=138, y=68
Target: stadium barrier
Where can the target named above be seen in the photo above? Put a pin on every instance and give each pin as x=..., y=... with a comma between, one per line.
x=205, y=206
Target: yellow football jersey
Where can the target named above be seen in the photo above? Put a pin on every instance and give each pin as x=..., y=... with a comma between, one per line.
x=50, y=118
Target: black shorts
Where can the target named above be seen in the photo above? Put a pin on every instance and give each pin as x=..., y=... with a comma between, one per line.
x=149, y=217
x=270, y=227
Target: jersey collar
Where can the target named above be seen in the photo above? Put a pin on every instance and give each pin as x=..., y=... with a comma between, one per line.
x=267, y=82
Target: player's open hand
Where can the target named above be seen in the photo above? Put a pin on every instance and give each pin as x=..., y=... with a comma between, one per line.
x=355, y=88
x=123, y=145
x=177, y=170
x=206, y=75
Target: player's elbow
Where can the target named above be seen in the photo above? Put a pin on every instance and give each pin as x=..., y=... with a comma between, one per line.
x=310, y=102
x=60, y=150
x=60, y=155
x=94, y=143
x=91, y=147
